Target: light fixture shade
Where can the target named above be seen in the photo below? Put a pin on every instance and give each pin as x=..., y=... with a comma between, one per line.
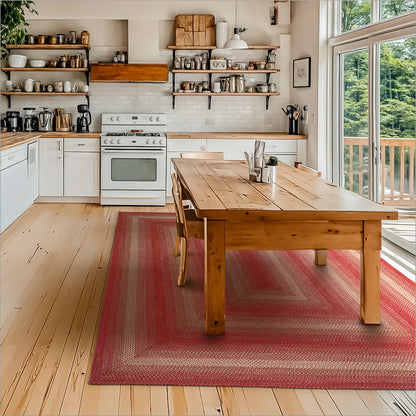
x=236, y=43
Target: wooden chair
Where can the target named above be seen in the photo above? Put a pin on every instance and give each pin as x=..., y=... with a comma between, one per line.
x=187, y=225
x=320, y=255
x=204, y=155
x=308, y=169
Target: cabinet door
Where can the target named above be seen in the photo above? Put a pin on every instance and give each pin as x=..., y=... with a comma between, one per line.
x=13, y=189
x=81, y=174
x=51, y=171
x=232, y=149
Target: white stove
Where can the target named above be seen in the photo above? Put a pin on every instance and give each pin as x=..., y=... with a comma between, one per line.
x=133, y=159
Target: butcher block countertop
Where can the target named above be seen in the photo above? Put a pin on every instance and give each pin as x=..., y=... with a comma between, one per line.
x=235, y=135
x=9, y=140
x=91, y=135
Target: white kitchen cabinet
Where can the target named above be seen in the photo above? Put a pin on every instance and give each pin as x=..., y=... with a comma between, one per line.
x=18, y=184
x=81, y=167
x=81, y=174
x=233, y=149
x=51, y=167
x=69, y=167
x=285, y=150
x=174, y=149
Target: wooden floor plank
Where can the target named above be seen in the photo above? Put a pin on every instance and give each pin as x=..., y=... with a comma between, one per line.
x=325, y=401
x=375, y=404
x=308, y=401
x=140, y=400
x=349, y=402
x=288, y=402
x=241, y=400
x=159, y=400
x=124, y=407
x=229, y=403
x=211, y=401
x=261, y=401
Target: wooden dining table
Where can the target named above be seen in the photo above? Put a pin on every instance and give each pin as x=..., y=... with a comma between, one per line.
x=297, y=212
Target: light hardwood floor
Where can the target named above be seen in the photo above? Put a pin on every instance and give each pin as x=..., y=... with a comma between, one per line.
x=54, y=262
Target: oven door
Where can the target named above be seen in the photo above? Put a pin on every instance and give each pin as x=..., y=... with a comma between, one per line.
x=136, y=169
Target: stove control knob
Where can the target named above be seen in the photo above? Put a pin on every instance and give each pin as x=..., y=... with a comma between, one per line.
x=118, y=118
x=151, y=118
x=112, y=141
x=118, y=141
x=111, y=118
x=157, y=118
x=154, y=141
x=148, y=141
x=105, y=141
x=161, y=141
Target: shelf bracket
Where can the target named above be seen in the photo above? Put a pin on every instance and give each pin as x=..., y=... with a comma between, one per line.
x=209, y=102
x=267, y=102
x=173, y=101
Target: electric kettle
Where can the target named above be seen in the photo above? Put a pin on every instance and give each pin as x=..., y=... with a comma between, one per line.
x=45, y=120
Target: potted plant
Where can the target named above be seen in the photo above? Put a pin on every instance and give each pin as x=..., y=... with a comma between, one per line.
x=13, y=23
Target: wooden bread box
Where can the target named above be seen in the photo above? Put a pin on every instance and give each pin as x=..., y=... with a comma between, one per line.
x=195, y=30
x=116, y=72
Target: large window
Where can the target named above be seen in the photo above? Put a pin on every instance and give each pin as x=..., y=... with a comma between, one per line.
x=356, y=14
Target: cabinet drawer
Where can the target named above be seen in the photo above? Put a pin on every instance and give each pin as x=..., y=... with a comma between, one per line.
x=11, y=158
x=281, y=146
x=186, y=145
x=72, y=144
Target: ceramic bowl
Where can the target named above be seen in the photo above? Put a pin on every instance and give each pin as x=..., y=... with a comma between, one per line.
x=37, y=63
x=17, y=61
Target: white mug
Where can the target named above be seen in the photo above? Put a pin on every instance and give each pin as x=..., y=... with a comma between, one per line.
x=68, y=86
x=28, y=84
x=216, y=86
x=85, y=88
x=9, y=85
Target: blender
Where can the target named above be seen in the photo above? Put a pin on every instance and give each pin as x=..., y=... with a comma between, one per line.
x=30, y=122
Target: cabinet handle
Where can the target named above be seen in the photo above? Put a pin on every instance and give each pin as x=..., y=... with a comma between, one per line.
x=81, y=144
x=59, y=145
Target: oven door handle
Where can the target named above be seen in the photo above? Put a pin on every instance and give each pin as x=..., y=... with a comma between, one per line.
x=130, y=150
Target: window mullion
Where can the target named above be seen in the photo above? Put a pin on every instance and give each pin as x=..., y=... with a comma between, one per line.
x=375, y=11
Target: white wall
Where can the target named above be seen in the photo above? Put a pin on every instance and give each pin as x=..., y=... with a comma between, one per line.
x=305, y=42
x=109, y=22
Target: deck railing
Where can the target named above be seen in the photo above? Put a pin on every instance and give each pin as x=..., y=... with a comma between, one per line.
x=397, y=159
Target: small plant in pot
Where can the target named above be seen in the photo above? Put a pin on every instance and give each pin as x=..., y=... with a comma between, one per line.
x=13, y=23
x=273, y=161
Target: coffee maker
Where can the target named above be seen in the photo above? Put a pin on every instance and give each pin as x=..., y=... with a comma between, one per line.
x=13, y=121
x=84, y=120
x=31, y=121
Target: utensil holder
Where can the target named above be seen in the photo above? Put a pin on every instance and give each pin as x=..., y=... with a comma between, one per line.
x=293, y=126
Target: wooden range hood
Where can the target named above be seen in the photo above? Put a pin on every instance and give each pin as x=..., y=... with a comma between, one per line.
x=116, y=72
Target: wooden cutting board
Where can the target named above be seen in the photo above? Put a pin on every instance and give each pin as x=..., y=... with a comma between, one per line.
x=195, y=30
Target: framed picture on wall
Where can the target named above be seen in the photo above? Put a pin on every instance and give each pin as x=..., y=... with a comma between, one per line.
x=301, y=72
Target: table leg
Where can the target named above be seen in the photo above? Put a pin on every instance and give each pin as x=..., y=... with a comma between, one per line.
x=320, y=257
x=370, y=272
x=214, y=277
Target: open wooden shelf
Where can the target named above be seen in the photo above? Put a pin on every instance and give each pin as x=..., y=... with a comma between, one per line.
x=51, y=47
x=190, y=48
x=230, y=94
x=14, y=93
x=225, y=71
x=46, y=69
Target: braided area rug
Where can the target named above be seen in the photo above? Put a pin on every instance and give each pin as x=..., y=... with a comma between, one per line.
x=289, y=323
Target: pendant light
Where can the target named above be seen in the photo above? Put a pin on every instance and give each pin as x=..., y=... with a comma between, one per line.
x=236, y=42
